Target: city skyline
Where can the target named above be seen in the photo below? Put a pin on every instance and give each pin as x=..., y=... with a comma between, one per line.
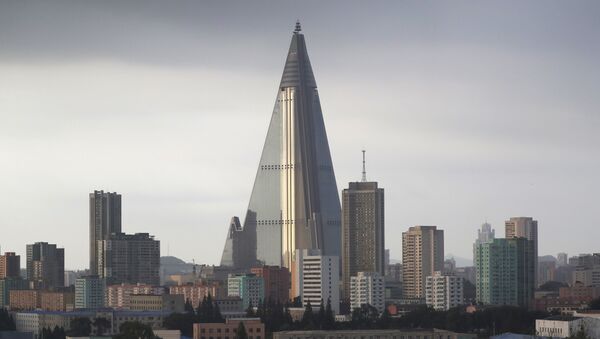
x=465, y=140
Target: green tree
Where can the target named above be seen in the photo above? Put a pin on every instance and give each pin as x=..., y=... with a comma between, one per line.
x=250, y=310
x=101, y=325
x=135, y=330
x=240, y=332
x=580, y=334
x=329, y=320
x=80, y=327
x=308, y=318
x=189, y=308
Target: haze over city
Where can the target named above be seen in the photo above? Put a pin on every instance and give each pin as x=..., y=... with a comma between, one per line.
x=468, y=112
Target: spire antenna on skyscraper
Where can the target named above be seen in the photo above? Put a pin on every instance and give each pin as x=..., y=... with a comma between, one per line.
x=364, y=172
x=298, y=27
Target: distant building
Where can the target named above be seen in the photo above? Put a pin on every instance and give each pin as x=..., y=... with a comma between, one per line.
x=546, y=271
x=318, y=278
x=467, y=273
x=195, y=293
x=562, y=259
x=525, y=227
x=118, y=296
x=10, y=265
x=130, y=259
x=150, y=302
x=422, y=254
x=248, y=287
x=443, y=292
x=89, y=292
x=393, y=272
x=24, y=300
x=46, y=265
x=587, y=269
x=505, y=272
x=367, y=288
x=363, y=229
x=9, y=284
x=254, y=329
x=277, y=282
x=230, y=305
x=105, y=220
x=380, y=334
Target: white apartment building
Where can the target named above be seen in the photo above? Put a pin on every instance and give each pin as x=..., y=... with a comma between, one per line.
x=443, y=292
x=367, y=288
x=566, y=326
x=318, y=278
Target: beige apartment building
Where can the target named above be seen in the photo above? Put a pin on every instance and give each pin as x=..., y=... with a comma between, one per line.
x=118, y=296
x=152, y=302
x=254, y=329
x=422, y=255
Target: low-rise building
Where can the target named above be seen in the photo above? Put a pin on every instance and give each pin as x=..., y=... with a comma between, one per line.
x=566, y=326
x=255, y=329
x=118, y=296
x=367, y=288
x=57, y=301
x=380, y=334
x=24, y=300
x=195, y=293
x=150, y=302
x=9, y=284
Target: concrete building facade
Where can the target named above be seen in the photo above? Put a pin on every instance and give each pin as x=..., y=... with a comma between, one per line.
x=422, y=254
x=118, y=296
x=105, y=220
x=443, y=291
x=525, y=227
x=130, y=259
x=10, y=265
x=505, y=272
x=254, y=329
x=195, y=293
x=248, y=287
x=277, y=281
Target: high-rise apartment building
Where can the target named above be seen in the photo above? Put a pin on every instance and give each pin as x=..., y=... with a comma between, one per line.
x=367, y=288
x=130, y=259
x=105, y=219
x=525, y=227
x=562, y=259
x=294, y=202
x=363, y=241
x=505, y=273
x=276, y=280
x=318, y=278
x=46, y=265
x=10, y=265
x=248, y=287
x=443, y=291
x=89, y=292
x=422, y=254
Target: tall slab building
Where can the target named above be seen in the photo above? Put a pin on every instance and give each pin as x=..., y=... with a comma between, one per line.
x=294, y=203
x=422, y=255
x=524, y=227
x=105, y=219
x=363, y=233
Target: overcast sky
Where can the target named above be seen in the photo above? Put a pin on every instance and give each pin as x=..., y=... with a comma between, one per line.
x=469, y=111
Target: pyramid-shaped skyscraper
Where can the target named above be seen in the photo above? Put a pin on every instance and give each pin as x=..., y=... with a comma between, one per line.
x=294, y=202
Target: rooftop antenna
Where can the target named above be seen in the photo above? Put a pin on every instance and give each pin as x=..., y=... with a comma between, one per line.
x=364, y=172
x=298, y=27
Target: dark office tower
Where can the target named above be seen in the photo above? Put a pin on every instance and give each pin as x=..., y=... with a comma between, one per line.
x=10, y=265
x=45, y=265
x=129, y=259
x=363, y=243
x=105, y=219
x=294, y=202
x=524, y=227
